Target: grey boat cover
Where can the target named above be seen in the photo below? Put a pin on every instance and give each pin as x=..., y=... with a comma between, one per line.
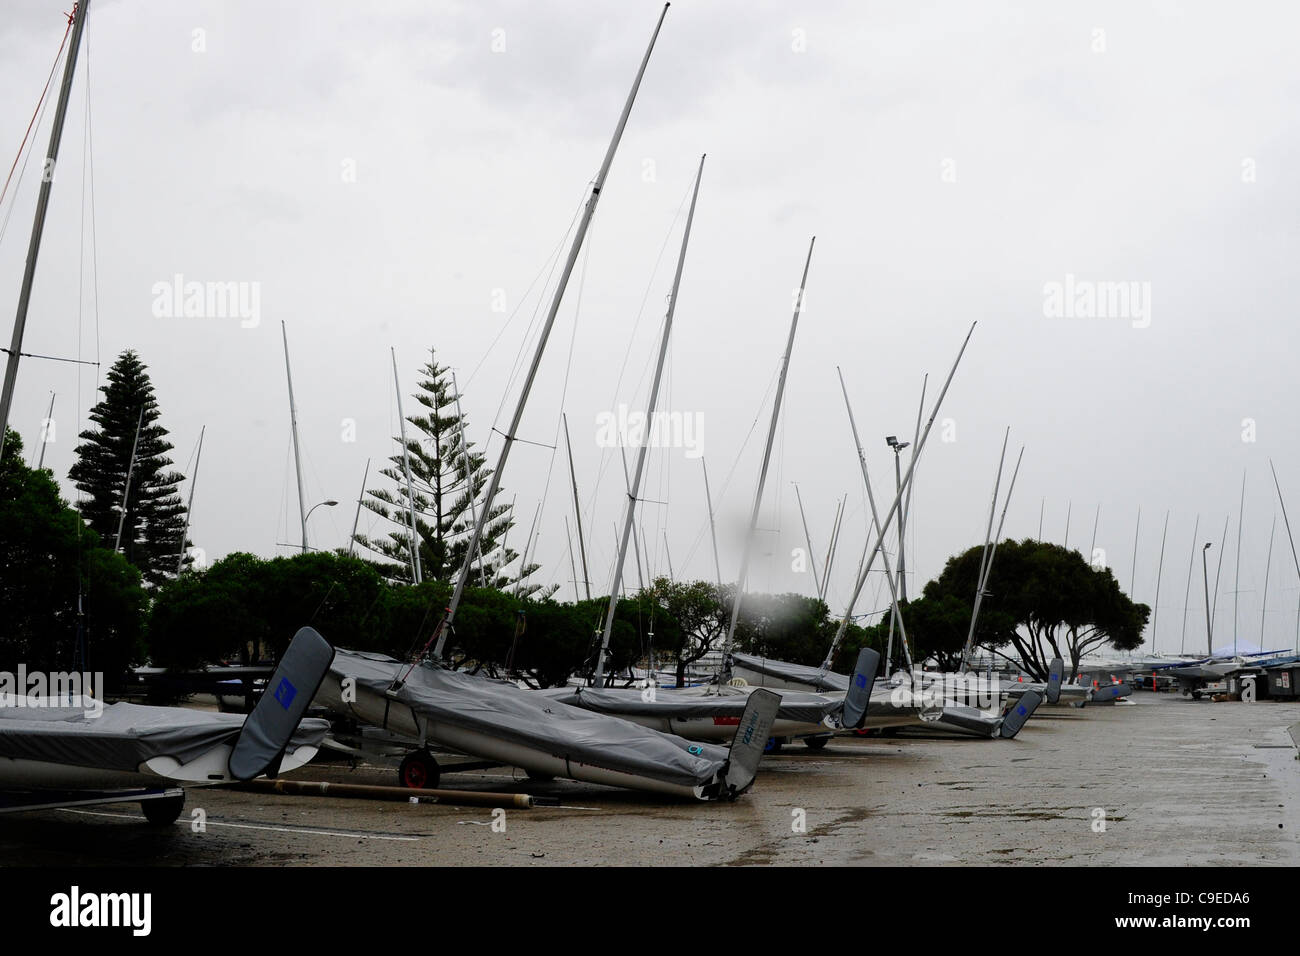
x=123, y=736
x=801, y=706
x=532, y=720
x=813, y=677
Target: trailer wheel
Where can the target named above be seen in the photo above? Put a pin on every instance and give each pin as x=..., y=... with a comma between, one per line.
x=816, y=743
x=419, y=771
x=163, y=811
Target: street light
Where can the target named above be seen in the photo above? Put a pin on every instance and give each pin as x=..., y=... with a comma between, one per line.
x=893, y=442
x=1209, y=632
x=329, y=504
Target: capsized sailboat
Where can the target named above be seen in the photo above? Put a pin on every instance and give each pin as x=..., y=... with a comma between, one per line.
x=498, y=721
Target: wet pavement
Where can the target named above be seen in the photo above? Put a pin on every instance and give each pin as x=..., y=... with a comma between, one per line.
x=1164, y=780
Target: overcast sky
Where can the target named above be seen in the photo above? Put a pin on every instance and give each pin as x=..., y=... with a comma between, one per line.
x=388, y=174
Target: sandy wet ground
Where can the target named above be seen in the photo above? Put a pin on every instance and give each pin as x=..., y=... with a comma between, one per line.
x=1178, y=781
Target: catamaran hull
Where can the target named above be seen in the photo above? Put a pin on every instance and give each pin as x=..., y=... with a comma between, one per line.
x=381, y=711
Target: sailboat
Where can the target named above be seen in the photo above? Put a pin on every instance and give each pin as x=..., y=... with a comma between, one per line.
x=427, y=702
x=76, y=751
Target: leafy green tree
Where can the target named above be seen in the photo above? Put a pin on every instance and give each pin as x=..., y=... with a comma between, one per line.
x=448, y=479
x=1042, y=601
x=155, y=515
x=69, y=602
x=787, y=627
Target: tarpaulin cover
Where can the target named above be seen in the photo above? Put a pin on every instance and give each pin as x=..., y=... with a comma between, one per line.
x=798, y=706
x=123, y=736
x=813, y=677
x=532, y=720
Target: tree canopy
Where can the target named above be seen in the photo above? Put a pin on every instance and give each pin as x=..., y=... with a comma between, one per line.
x=448, y=480
x=1042, y=601
x=69, y=602
x=155, y=516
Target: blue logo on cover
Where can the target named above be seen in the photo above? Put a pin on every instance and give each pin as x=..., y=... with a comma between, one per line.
x=860, y=680
x=285, y=693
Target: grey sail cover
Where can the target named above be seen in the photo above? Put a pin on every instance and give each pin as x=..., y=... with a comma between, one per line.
x=813, y=677
x=270, y=726
x=123, y=736
x=533, y=720
x=798, y=706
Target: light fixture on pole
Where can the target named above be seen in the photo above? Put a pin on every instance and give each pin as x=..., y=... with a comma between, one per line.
x=328, y=504
x=893, y=442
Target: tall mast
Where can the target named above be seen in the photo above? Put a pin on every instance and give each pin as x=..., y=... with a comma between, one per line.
x=616, y=586
x=1294, y=557
x=469, y=478
x=1236, y=586
x=417, y=576
x=581, y=234
x=577, y=513
x=830, y=551
x=1155, y=612
x=293, y=425
x=905, y=515
x=1187, y=591
x=713, y=531
x=984, y=556
x=875, y=520
x=1268, y=566
x=352, y=539
x=636, y=548
x=126, y=488
x=988, y=567
x=38, y=224
x=194, y=480
x=45, y=432
x=865, y=567
x=767, y=457
x=812, y=555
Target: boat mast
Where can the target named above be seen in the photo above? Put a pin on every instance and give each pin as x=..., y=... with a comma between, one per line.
x=880, y=534
x=830, y=551
x=1187, y=590
x=1236, y=584
x=45, y=431
x=1155, y=607
x=762, y=473
x=126, y=488
x=988, y=568
x=616, y=586
x=577, y=513
x=38, y=224
x=713, y=531
x=1287, y=522
x=189, y=506
x=865, y=567
x=352, y=539
x=1268, y=566
x=494, y=483
x=812, y=556
x=984, y=556
x=469, y=479
x=293, y=426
